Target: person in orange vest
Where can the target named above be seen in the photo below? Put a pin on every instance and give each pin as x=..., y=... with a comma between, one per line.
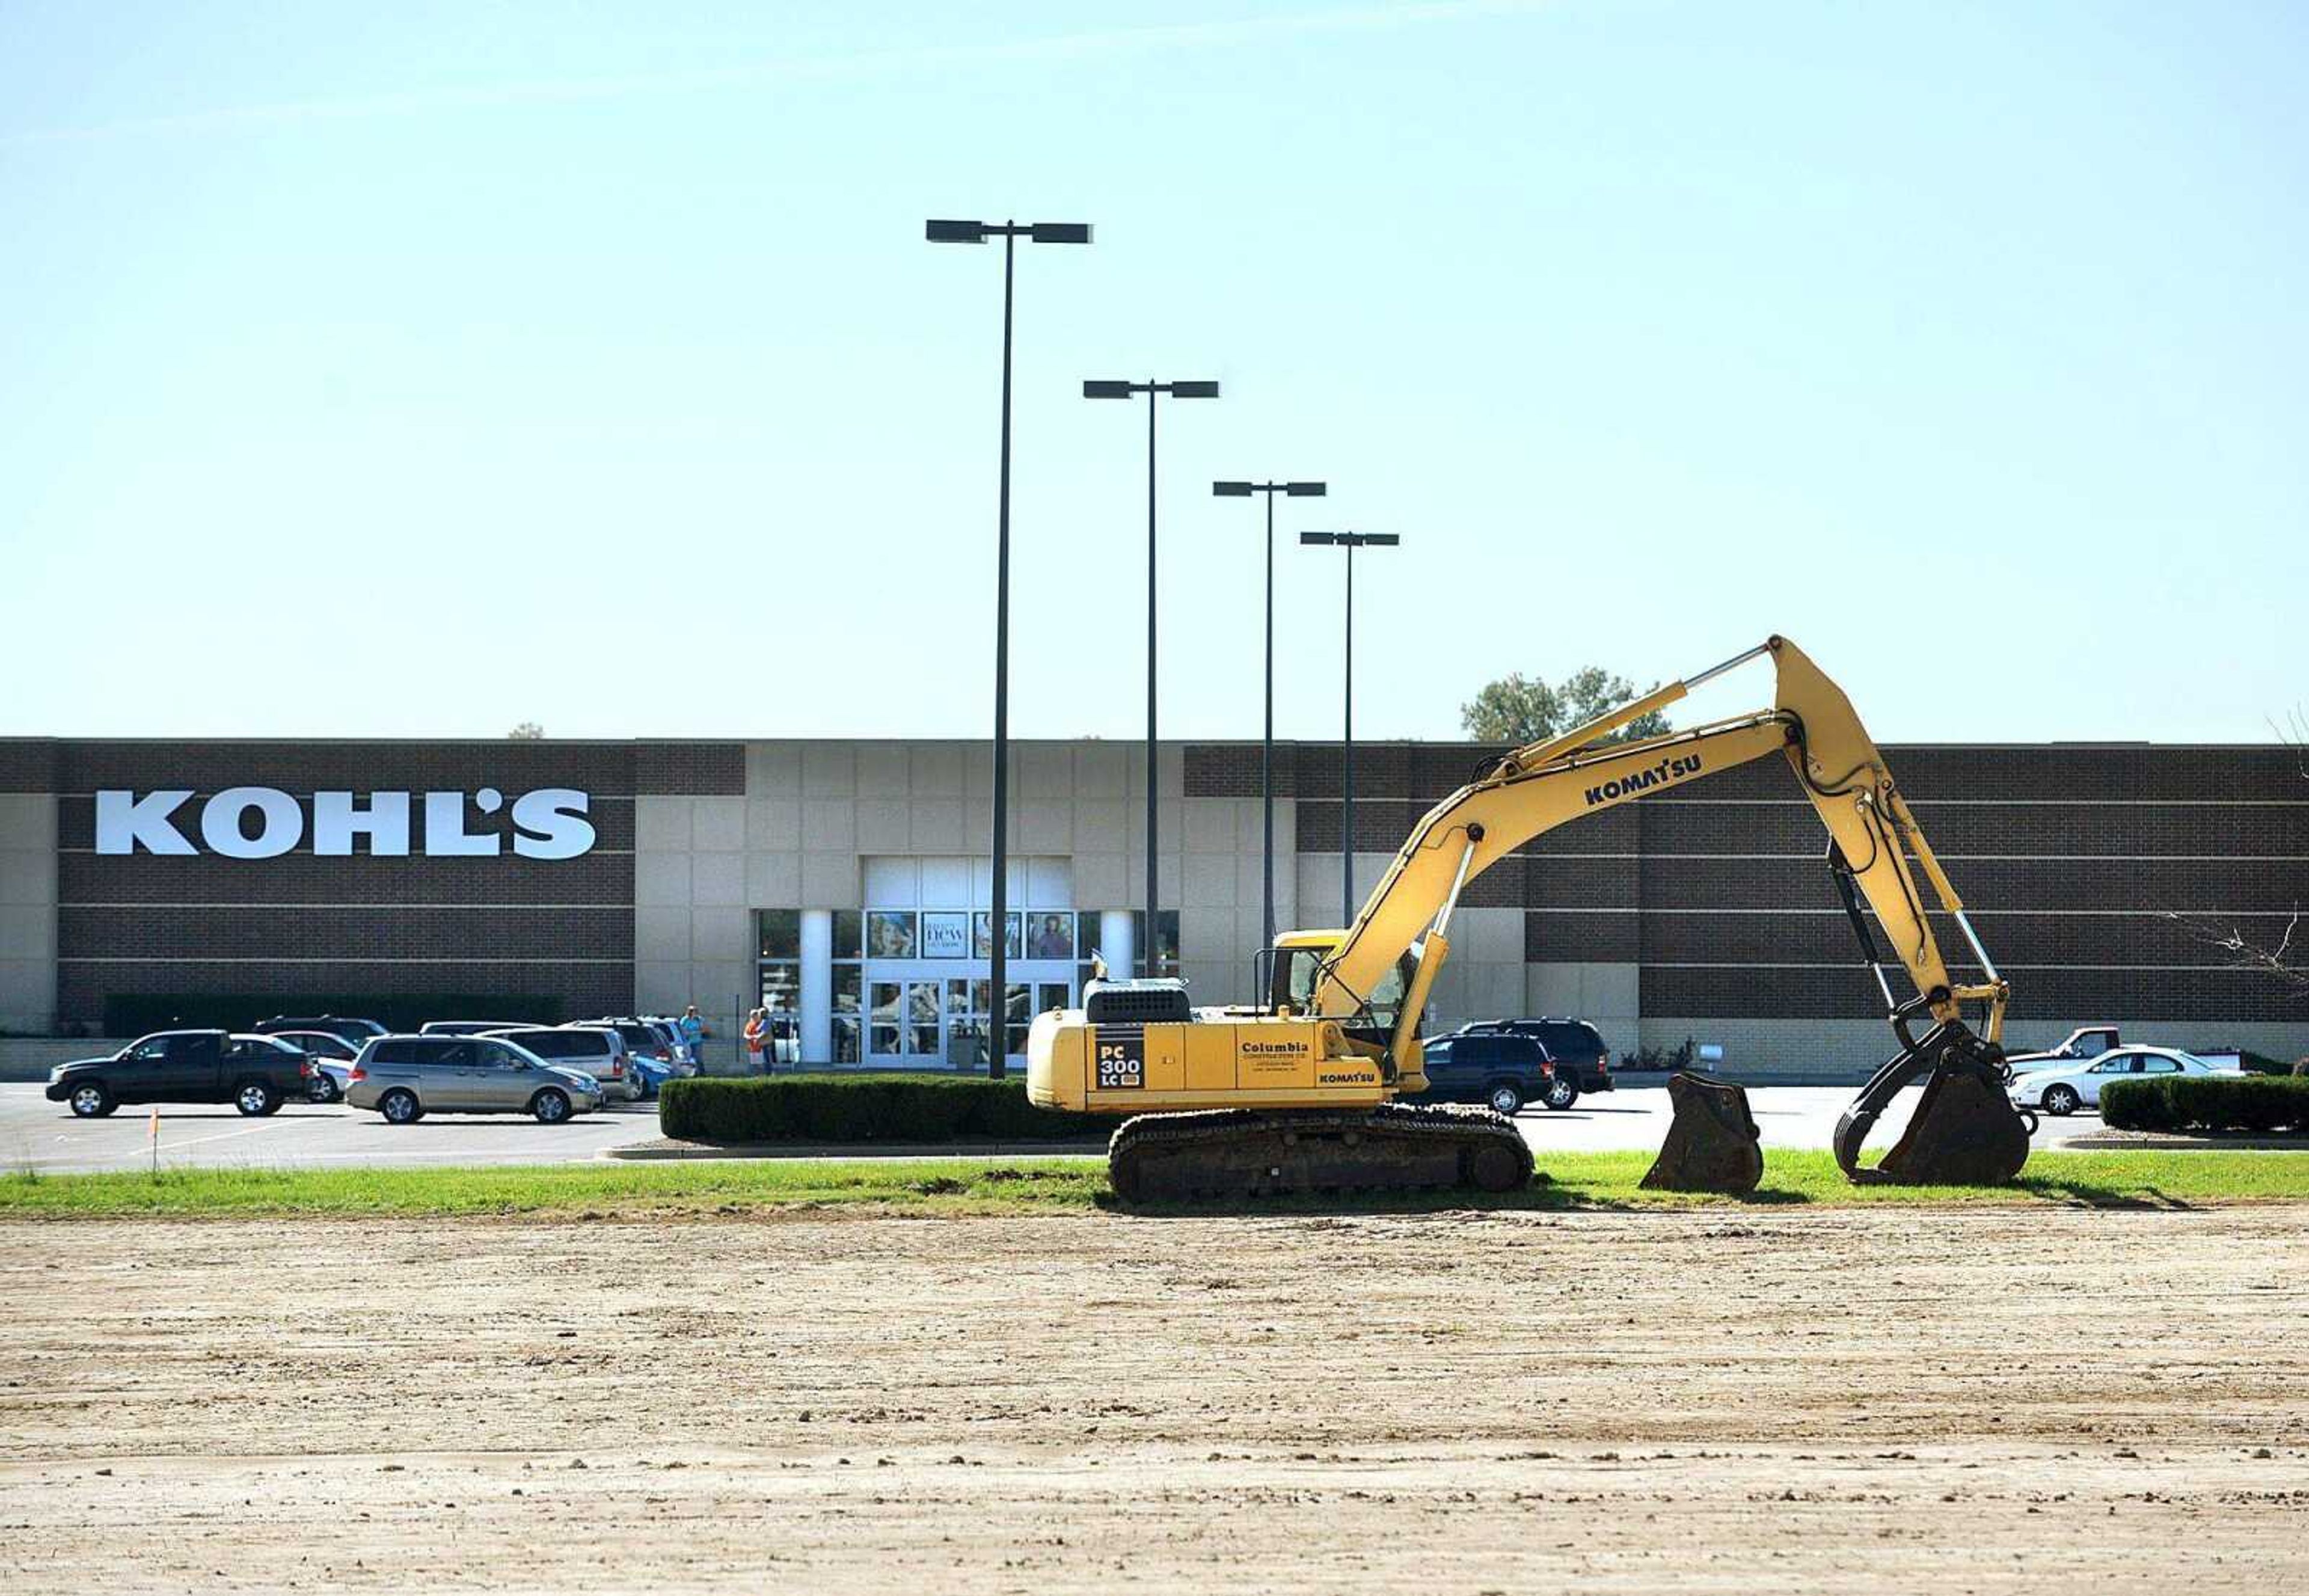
x=757, y=1029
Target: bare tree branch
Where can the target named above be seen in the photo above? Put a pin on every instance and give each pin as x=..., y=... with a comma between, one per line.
x=2282, y=961
x=2295, y=729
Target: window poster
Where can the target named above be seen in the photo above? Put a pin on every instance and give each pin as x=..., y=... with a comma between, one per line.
x=946, y=936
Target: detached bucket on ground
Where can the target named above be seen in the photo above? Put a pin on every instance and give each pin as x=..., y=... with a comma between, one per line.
x=1712, y=1143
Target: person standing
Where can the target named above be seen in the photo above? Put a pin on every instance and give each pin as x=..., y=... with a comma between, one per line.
x=756, y=1034
x=692, y=1037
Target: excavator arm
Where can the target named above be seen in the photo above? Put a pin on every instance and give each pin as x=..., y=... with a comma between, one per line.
x=1876, y=852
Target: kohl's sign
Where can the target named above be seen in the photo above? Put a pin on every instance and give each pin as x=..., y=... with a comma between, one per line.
x=265, y=822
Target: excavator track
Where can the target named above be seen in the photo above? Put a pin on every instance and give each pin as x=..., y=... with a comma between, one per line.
x=1396, y=1147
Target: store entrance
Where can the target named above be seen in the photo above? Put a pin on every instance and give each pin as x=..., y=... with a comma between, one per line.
x=910, y=988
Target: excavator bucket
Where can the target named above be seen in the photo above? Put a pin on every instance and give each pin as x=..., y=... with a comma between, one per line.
x=1964, y=1130
x=1711, y=1144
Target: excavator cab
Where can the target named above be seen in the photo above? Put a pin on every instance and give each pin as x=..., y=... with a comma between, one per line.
x=1385, y=1026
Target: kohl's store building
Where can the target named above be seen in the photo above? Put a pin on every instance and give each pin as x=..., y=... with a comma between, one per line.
x=845, y=884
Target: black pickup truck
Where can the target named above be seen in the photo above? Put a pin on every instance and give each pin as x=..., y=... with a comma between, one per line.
x=254, y=1074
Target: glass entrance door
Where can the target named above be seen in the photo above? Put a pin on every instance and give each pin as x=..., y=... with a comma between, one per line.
x=903, y=1022
x=931, y=1019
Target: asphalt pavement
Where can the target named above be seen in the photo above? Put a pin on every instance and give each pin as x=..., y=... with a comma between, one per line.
x=36, y=1135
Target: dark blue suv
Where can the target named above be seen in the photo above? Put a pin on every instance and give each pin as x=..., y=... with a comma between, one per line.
x=1498, y=1068
x=1582, y=1062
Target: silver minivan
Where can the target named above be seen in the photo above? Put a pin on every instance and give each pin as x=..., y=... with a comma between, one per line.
x=595, y=1049
x=406, y=1078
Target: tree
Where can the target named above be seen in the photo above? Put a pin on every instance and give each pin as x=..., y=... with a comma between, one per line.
x=529, y=730
x=1518, y=708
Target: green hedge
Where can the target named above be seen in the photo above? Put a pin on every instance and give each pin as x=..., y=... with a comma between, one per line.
x=862, y=1107
x=2207, y=1102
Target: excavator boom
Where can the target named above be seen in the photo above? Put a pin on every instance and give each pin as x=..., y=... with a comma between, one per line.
x=1876, y=853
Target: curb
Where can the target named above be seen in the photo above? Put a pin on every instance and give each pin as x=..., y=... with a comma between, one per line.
x=2149, y=1141
x=669, y=1150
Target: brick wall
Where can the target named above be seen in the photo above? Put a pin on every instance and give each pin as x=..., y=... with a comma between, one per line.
x=556, y=934
x=2073, y=860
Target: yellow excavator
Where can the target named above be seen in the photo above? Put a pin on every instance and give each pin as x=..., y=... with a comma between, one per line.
x=1300, y=1092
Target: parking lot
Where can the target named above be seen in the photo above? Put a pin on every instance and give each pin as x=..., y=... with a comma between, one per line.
x=41, y=1135
x=37, y=1134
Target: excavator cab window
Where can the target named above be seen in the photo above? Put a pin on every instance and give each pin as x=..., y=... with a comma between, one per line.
x=1295, y=973
x=1298, y=971
x=1376, y=1022
x=1386, y=1003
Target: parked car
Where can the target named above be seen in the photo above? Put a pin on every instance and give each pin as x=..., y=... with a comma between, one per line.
x=1582, y=1062
x=2061, y=1090
x=255, y=1074
x=333, y=1057
x=355, y=1031
x=670, y=1028
x=649, y=1042
x=653, y=1072
x=597, y=1050
x=331, y=1077
x=405, y=1078
x=1504, y=1069
x=473, y=1027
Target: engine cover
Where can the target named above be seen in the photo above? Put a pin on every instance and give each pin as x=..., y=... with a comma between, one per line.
x=1156, y=1001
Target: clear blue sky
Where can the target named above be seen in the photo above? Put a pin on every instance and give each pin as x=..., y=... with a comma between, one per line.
x=427, y=368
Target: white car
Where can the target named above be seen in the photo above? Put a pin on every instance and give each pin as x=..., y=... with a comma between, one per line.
x=684, y=1054
x=2062, y=1090
x=333, y=1061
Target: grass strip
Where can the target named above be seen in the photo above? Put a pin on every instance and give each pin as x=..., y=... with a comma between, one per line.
x=1010, y=1185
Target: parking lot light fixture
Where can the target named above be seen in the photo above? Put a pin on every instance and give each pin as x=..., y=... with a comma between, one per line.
x=1266, y=741
x=1349, y=541
x=1123, y=388
x=952, y=231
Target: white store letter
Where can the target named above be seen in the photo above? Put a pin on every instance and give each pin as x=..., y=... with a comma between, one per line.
x=284, y=823
x=444, y=829
x=125, y=822
x=386, y=823
x=551, y=824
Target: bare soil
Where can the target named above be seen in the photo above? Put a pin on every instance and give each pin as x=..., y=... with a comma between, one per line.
x=1915, y=1400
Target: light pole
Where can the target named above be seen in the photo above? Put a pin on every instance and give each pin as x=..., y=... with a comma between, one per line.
x=1266, y=739
x=998, y=976
x=1349, y=541
x=1123, y=389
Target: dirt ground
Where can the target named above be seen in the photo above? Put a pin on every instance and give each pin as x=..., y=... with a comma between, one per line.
x=1928, y=1400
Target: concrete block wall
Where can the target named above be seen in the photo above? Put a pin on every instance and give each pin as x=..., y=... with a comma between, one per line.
x=1222, y=898
x=28, y=913
x=692, y=922
x=1605, y=992
x=811, y=811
